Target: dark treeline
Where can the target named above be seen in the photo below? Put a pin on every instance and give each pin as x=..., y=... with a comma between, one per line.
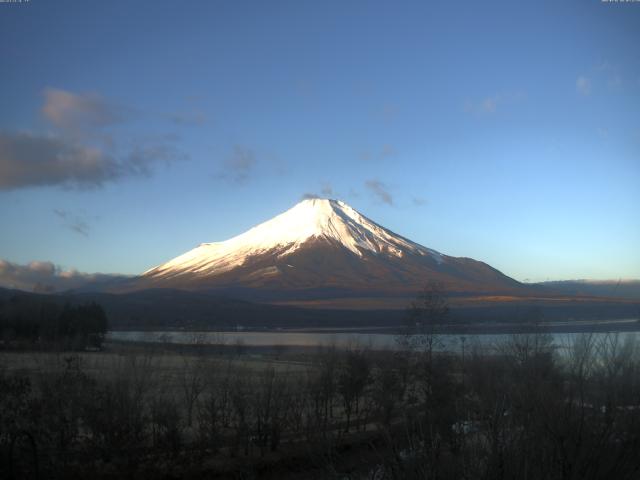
x=523, y=410
x=26, y=320
x=160, y=309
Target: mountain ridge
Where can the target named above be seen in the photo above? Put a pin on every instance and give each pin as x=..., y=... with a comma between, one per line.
x=322, y=244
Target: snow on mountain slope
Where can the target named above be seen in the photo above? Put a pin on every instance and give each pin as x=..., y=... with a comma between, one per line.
x=310, y=219
x=320, y=245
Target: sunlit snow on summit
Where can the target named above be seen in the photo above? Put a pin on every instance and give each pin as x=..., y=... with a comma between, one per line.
x=311, y=218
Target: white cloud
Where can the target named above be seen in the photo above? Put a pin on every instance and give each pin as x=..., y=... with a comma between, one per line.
x=490, y=105
x=583, y=85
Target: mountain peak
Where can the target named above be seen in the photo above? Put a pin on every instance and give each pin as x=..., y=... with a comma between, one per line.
x=322, y=244
x=320, y=207
x=317, y=201
x=314, y=218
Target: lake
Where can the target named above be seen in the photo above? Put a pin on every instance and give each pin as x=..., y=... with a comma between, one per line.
x=343, y=340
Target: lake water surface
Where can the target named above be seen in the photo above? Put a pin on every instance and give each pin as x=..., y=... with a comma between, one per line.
x=374, y=341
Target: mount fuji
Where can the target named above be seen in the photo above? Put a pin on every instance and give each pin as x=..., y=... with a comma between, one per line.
x=322, y=248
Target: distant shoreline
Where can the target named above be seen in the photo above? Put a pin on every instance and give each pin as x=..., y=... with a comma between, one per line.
x=603, y=326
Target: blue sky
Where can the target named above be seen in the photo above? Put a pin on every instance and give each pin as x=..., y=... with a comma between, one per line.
x=504, y=131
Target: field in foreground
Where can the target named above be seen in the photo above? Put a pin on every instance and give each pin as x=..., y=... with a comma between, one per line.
x=191, y=412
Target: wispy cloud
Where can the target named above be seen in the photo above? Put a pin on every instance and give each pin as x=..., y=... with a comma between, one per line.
x=74, y=222
x=327, y=189
x=491, y=104
x=144, y=156
x=188, y=119
x=79, y=112
x=583, y=85
x=388, y=112
x=611, y=72
x=488, y=105
x=382, y=153
x=43, y=276
x=379, y=190
x=387, y=151
x=239, y=166
x=325, y=192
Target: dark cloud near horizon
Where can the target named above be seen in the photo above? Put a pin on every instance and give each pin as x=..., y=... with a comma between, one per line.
x=379, y=190
x=46, y=277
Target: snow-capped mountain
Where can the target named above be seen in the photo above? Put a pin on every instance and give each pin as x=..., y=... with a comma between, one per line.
x=321, y=244
x=314, y=219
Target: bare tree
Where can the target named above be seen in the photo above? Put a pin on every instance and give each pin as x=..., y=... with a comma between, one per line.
x=425, y=317
x=166, y=425
x=353, y=378
x=388, y=389
x=242, y=415
x=270, y=403
x=192, y=382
